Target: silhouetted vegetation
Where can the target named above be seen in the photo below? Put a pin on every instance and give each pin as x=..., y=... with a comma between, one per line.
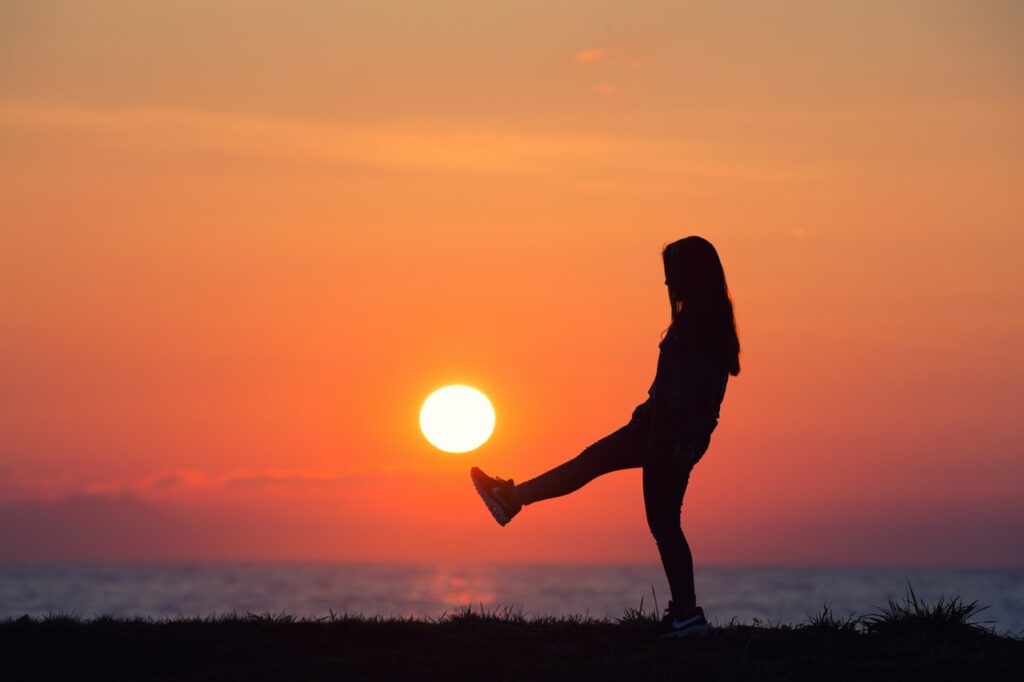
x=905, y=639
x=946, y=616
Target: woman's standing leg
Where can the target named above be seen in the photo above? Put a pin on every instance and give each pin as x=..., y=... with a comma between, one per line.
x=666, y=474
x=622, y=449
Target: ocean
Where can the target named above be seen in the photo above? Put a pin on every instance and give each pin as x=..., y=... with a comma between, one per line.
x=742, y=593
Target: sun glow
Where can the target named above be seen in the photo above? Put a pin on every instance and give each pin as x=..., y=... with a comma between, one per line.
x=457, y=418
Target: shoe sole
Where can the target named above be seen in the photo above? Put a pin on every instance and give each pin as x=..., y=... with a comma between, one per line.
x=492, y=505
x=692, y=631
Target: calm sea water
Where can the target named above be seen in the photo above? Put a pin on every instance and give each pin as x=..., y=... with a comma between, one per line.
x=772, y=594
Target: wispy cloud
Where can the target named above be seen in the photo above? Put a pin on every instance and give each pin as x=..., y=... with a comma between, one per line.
x=590, y=55
x=457, y=147
x=176, y=482
x=181, y=483
x=464, y=147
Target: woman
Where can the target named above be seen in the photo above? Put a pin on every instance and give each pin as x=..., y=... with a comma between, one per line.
x=668, y=433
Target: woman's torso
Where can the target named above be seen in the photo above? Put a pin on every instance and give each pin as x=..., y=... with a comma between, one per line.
x=688, y=389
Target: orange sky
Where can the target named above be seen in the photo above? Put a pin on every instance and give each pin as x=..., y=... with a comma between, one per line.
x=240, y=242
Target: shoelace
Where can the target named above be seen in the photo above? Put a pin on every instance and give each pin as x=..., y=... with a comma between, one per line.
x=499, y=492
x=501, y=484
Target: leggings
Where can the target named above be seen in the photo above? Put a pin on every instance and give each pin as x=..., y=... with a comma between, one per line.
x=665, y=475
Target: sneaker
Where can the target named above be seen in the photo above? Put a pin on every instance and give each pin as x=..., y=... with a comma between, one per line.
x=689, y=624
x=498, y=494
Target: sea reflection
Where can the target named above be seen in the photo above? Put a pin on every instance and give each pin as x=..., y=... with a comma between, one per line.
x=455, y=588
x=776, y=594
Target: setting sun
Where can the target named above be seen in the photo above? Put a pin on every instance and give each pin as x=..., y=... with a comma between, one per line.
x=457, y=418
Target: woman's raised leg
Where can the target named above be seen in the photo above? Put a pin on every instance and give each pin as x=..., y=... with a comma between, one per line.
x=622, y=449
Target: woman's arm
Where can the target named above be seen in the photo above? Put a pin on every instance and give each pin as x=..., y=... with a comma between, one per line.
x=688, y=395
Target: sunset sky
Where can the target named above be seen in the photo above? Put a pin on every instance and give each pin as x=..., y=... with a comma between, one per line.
x=242, y=241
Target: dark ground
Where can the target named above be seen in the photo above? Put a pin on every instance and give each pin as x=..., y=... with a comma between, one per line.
x=499, y=646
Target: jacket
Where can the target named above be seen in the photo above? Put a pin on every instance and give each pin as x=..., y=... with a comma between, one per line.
x=685, y=399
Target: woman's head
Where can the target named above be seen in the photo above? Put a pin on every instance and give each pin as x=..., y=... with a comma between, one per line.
x=701, y=305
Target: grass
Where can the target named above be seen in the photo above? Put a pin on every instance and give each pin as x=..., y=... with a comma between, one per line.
x=911, y=614
x=906, y=639
x=825, y=620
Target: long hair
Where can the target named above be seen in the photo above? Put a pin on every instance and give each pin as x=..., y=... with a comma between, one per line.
x=702, y=311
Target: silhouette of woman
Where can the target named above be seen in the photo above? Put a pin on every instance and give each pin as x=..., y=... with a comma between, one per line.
x=668, y=433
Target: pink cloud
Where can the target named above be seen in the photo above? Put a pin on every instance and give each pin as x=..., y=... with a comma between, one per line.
x=182, y=485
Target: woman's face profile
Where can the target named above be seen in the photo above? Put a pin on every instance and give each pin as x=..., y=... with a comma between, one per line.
x=677, y=304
